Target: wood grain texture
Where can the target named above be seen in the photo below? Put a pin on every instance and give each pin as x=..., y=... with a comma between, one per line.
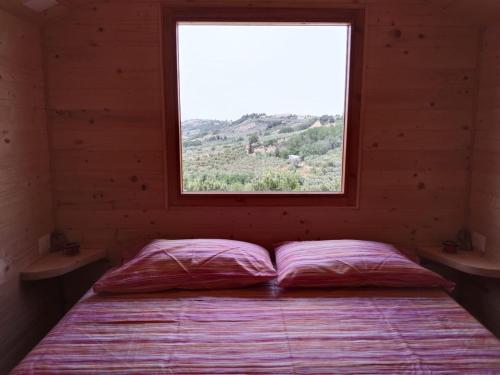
x=442, y=12
x=477, y=11
x=57, y=264
x=26, y=311
x=17, y=8
x=104, y=93
x=471, y=262
x=483, y=296
x=485, y=188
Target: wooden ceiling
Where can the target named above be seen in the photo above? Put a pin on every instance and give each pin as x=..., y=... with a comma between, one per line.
x=17, y=8
x=485, y=11
x=480, y=11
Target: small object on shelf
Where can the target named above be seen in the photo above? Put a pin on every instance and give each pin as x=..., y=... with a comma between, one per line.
x=71, y=249
x=58, y=240
x=450, y=247
x=464, y=240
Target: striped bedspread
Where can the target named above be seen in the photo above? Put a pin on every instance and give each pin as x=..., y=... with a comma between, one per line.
x=263, y=330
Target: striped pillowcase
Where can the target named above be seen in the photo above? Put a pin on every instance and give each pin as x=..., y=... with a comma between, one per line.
x=190, y=264
x=350, y=263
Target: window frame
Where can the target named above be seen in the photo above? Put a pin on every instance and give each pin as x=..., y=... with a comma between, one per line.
x=171, y=16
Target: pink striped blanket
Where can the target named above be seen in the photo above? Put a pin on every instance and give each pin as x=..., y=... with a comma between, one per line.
x=265, y=330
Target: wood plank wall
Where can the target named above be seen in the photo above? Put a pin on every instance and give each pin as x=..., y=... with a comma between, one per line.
x=26, y=311
x=484, y=211
x=105, y=120
x=485, y=188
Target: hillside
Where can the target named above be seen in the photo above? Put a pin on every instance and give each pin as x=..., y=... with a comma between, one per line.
x=260, y=152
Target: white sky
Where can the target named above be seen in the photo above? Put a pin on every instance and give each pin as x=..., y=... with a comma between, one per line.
x=227, y=71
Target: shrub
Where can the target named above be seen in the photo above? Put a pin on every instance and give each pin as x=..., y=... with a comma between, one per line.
x=253, y=138
x=194, y=143
x=277, y=181
x=316, y=141
x=269, y=142
x=250, y=116
x=286, y=129
x=325, y=119
x=219, y=181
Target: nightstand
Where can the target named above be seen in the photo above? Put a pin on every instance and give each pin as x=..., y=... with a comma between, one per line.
x=56, y=265
x=469, y=262
x=476, y=277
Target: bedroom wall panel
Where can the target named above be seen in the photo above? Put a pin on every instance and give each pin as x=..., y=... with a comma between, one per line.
x=26, y=311
x=105, y=102
x=485, y=188
x=484, y=205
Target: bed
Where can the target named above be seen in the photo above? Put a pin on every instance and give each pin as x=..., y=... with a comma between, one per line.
x=267, y=330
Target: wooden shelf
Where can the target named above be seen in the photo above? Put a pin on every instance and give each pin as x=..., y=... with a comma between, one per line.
x=56, y=264
x=471, y=262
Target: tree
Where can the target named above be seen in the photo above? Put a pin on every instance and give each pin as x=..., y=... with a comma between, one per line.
x=252, y=140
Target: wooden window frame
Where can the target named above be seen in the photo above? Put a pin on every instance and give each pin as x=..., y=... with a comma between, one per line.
x=171, y=16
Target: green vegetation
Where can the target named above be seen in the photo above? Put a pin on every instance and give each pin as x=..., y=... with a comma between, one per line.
x=260, y=152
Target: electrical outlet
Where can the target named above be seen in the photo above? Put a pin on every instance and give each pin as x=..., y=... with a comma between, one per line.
x=479, y=242
x=44, y=244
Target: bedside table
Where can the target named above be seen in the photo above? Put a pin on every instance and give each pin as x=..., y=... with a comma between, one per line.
x=57, y=264
x=469, y=262
x=473, y=273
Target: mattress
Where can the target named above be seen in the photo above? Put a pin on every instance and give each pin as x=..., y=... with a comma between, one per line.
x=266, y=330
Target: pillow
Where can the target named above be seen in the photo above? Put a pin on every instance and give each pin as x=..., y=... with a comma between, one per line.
x=350, y=263
x=190, y=264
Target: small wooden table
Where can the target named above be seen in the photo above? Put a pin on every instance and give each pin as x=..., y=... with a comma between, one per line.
x=57, y=264
x=470, y=262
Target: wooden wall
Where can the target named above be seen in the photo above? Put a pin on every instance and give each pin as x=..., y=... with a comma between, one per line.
x=26, y=311
x=484, y=211
x=105, y=119
x=104, y=95
x=485, y=188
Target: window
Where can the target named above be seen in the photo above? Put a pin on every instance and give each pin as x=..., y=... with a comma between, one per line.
x=262, y=106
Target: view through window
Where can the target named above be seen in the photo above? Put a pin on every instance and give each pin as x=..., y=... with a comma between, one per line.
x=262, y=107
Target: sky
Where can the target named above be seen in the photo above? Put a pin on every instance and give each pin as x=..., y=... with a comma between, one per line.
x=227, y=71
